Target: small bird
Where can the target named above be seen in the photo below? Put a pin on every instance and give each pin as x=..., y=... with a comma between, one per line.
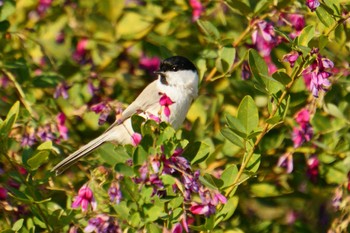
x=177, y=79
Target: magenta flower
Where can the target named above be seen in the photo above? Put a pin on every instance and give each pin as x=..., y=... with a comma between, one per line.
x=84, y=198
x=45, y=133
x=62, y=128
x=80, y=52
x=303, y=132
x=316, y=76
x=245, y=73
x=104, y=111
x=312, y=4
x=291, y=58
x=28, y=139
x=149, y=64
x=303, y=116
x=272, y=68
x=60, y=37
x=136, y=139
x=154, y=117
x=264, y=38
x=312, y=168
x=4, y=81
x=177, y=228
x=43, y=6
x=165, y=101
x=103, y=223
x=114, y=193
x=3, y=194
x=197, y=9
x=297, y=21
x=61, y=90
x=286, y=161
x=202, y=209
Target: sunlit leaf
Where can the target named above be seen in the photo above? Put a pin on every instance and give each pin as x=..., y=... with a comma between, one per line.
x=248, y=114
x=228, y=176
x=232, y=137
x=306, y=35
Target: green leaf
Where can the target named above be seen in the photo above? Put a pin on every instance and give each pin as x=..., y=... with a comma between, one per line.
x=209, y=29
x=248, y=114
x=38, y=159
x=264, y=190
x=18, y=225
x=136, y=122
x=272, y=86
x=306, y=35
x=229, y=175
x=112, y=155
x=124, y=169
x=236, y=125
x=8, y=8
x=40, y=155
x=133, y=25
x=254, y=163
x=232, y=137
x=210, y=181
x=227, y=211
x=196, y=152
x=11, y=118
x=4, y=25
x=225, y=59
x=324, y=16
x=47, y=80
x=281, y=77
x=239, y=7
x=257, y=66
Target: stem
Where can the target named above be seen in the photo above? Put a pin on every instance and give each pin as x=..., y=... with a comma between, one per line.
x=20, y=92
x=266, y=126
x=32, y=193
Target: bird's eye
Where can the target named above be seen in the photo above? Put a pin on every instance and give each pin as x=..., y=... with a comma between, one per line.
x=174, y=68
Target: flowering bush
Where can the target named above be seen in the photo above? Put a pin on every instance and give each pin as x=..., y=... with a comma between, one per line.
x=265, y=146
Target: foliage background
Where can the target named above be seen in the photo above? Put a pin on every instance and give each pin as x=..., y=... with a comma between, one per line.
x=66, y=56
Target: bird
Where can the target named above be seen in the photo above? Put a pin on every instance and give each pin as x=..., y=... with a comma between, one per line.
x=177, y=79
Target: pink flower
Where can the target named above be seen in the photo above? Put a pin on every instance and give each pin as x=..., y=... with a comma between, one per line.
x=136, y=139
x=80, y=52
x=291, y=58
x=61, y=90
x=312, y=4
x=115, y=195
x=84, y=198
x=316, y=76
x=150, y=64
x=312, y=168
x=3, y=194
x=245, y=73
x=264, y=38
x=102, y=108
x=297, y=21
x=177, y=228
x=62, y=128
x=303, y=116
x=197, y=9
x=166, y=102
x=286, y=161
x=202, y=209
x=154, y=117
x=272, y=68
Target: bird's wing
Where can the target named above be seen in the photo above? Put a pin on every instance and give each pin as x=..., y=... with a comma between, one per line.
x=148, y=97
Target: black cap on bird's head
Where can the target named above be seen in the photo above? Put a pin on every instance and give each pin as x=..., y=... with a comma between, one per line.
x=176, y=63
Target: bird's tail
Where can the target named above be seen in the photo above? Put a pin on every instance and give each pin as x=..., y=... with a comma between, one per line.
x=81, y=152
